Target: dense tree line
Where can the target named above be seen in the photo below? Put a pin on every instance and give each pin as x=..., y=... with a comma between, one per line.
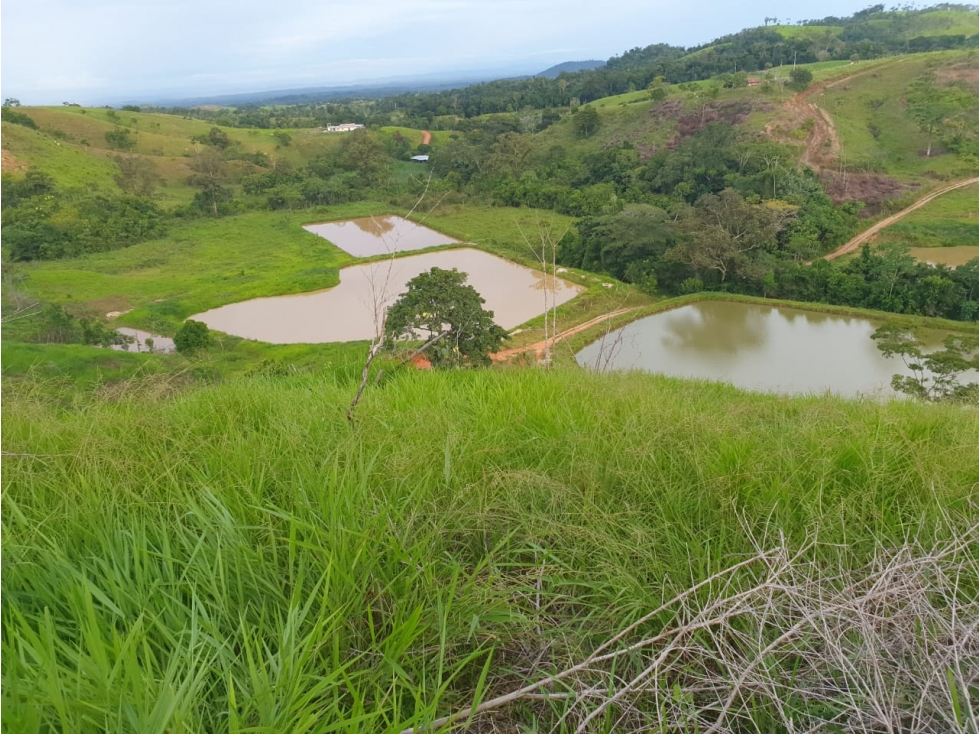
x=728, y=243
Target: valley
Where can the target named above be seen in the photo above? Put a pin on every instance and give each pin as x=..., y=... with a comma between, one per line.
x=636, y=395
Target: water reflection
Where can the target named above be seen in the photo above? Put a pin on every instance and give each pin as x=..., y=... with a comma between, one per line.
x=716, y=329
x=772, y=349
x=370, y=236
x=346, y=313
x=376, y=226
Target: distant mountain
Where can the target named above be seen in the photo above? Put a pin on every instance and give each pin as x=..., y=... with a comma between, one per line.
x=309, y=95
x=571, y=67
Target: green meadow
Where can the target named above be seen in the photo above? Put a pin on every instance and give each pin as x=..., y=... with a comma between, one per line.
x=239, y=557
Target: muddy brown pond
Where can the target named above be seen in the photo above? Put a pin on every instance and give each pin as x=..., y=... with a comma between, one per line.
x=369, y=236
x=764, y=348
x=951, y=256
x=514, y=293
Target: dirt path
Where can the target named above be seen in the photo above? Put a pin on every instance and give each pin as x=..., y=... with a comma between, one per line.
x=822, y=143
x=867, y=235
x=538, y=347
x=426, y=137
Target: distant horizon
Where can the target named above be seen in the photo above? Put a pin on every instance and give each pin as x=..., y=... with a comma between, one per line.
x=94, y=52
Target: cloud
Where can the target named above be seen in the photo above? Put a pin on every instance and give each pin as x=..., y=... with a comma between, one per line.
x=87, y=48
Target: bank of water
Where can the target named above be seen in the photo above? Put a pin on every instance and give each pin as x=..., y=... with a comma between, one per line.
x=951, y=256
x=370, y=236
x=763, y=348
x=347, y=312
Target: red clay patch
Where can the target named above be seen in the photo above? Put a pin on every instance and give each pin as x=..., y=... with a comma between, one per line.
x=11, y=164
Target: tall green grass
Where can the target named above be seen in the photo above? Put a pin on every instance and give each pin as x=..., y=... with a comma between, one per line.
x=238, y=557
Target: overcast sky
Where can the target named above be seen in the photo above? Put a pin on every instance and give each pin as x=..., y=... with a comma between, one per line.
x=95, y=51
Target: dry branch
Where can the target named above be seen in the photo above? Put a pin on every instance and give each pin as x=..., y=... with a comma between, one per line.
x=892, y=646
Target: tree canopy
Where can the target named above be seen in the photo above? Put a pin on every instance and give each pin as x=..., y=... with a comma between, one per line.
x=440, y=308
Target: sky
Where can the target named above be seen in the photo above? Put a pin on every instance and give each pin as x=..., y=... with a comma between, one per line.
x=108, y=51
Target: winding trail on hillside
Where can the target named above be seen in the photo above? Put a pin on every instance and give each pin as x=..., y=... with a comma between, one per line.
x=538, y=347
x=867, y=235
x=823, y=142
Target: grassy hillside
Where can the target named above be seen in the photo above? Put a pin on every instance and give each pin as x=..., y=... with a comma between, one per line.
x=872, y=134
x=71, y=146
x=875, y=131
x=259, y=563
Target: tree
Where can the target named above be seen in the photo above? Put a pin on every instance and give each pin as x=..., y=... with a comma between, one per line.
x=723, y=228
x=209, y=175
x=930, y=105
x=509, y=154
x=216, y=137
x=137, y=175
x=801, y=78
x=934, y=375
x=587, y=121
x=449, y=316
x=191, y=336
x=364, y=154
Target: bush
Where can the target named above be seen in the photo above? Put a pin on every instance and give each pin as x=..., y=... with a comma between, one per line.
x=8, y=114
x=801, y=78
x=120, y=139
x=193, y=335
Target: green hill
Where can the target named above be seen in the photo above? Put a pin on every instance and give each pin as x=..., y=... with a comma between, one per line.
x=71, y=146
x=873, y=132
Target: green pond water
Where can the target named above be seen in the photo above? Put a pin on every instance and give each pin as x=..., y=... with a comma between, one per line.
x=763, y=348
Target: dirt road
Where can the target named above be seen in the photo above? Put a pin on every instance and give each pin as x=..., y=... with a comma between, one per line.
x=866, y=236
x=538, y=347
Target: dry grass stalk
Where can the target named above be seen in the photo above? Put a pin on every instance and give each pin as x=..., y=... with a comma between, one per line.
x=782, y=642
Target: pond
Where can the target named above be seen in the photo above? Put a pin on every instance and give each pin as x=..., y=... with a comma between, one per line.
x=369, y=236
x=514, y=293
x=951, y=256
x=144, y=341
x=764, y=348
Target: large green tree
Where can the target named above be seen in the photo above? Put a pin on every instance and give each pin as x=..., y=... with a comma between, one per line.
x=721, y=231
x=932, y=106
x=210, y=173
x=445, y=312
x=137, y=175
x=587, y=121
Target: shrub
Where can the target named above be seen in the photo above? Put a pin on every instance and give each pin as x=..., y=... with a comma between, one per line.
x=193, y=335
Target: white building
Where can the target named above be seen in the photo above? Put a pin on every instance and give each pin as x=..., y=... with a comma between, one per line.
x=344, y=127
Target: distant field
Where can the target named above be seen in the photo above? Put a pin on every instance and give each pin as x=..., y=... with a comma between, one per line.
x=812, y=32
